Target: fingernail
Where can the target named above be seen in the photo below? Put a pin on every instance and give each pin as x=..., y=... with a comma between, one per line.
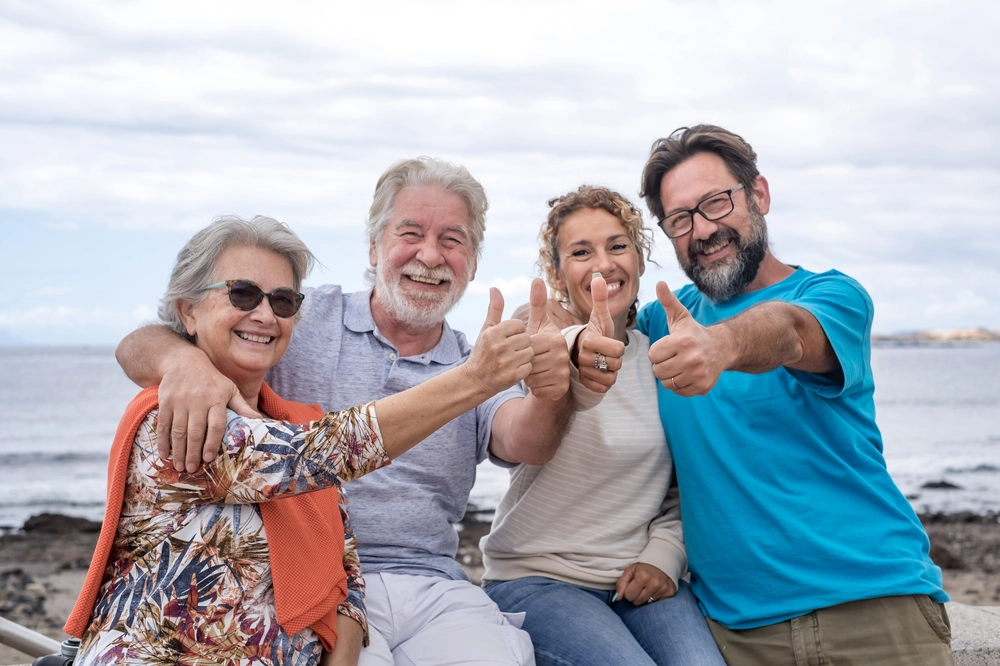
x=614, y=597
x=597, y=274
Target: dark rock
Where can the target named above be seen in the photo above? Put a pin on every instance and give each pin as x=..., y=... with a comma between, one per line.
x=945, y=558
x=54, y=523
x=940, y=485
x=20, y=596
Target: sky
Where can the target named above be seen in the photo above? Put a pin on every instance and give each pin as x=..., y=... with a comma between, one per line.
x=127, y=126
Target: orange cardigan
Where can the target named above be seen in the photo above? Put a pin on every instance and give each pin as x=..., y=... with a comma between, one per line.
x=305, y=533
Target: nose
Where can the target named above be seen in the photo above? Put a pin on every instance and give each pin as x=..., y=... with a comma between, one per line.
x=429, y=254
x=263, y=313
x=702, y=227
x=603, y=263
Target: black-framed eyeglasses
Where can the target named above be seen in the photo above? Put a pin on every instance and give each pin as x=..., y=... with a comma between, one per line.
x=246, y=296
x=712, y=208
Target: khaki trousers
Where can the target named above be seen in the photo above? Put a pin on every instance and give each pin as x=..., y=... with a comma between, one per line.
x=887, y=631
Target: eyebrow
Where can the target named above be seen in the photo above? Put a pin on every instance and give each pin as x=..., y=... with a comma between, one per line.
x=403, y=224
x=587, y=242
x=688, y=210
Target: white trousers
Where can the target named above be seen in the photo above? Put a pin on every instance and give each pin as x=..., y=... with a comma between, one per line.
x=433, y=621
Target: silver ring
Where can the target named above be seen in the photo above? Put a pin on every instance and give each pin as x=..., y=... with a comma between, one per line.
x=650, y=600
x=674, y=383
x=601, y=362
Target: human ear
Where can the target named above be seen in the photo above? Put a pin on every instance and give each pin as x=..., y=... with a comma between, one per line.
x=762, y=193
x=186, y=312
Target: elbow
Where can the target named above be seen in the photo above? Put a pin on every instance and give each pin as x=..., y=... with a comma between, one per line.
x=539, y=457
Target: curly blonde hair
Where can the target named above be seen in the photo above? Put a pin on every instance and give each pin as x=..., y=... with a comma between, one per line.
x=590, y=197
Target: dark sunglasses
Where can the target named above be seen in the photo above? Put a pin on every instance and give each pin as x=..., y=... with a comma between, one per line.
x=246, y=296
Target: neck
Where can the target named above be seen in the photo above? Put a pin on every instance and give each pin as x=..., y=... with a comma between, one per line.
x=771, y=271
x=408, y=340
x=250, y=391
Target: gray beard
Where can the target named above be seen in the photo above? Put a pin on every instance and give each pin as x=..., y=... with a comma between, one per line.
x=723, y=282
x=427, y=314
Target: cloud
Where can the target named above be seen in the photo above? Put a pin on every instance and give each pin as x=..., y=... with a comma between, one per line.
x=875, y=123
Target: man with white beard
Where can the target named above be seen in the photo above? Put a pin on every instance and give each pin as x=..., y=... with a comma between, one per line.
x=425, y=229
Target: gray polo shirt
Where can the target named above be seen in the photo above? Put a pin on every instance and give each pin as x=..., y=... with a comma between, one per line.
x=402, y=514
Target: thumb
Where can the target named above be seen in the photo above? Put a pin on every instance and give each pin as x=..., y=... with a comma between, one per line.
x=623, y=581
x=600, y=316
x=538, y=300
x=239, y=405
x=675, y=311
x=495, y=312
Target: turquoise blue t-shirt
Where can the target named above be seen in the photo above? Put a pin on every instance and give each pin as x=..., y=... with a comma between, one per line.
x=787, y=503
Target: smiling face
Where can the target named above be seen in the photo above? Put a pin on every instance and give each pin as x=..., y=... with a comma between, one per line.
x=424, y=259
x=593, y=240
x=242, y=345
x=723, y=257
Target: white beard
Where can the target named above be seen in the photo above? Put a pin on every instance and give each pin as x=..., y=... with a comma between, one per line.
x=414, y=308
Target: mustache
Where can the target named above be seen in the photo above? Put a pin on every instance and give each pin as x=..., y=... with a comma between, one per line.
x=723, y=234
x=418, y=269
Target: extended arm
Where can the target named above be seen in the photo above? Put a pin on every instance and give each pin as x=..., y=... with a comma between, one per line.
x=767, y=336
x=530, y=429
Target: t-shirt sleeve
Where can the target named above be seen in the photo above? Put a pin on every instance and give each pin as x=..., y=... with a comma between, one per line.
x=845, y=311
x=652, y=321
x=484, y=421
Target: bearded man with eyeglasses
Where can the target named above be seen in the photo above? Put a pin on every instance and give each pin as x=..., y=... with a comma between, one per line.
x=801, y=548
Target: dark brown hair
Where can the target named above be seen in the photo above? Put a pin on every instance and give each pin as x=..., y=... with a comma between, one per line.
x=686, y=142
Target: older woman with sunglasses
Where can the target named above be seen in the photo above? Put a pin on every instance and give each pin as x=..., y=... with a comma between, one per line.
x=251, y=559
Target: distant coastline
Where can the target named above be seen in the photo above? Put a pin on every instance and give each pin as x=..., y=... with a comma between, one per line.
x=938, y=336
x=931, y=337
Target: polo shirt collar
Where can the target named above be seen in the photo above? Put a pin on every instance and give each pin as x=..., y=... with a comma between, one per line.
x=358, y=318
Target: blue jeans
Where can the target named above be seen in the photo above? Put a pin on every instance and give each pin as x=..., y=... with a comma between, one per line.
x=579, y=626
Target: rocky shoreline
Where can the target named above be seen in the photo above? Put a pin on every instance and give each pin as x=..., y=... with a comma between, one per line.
x=42, y=566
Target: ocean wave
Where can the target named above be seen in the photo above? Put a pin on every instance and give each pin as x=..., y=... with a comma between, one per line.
x=978, y=468
x=49, y=503
x=9, y=460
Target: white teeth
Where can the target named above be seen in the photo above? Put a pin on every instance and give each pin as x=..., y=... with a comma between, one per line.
x=254, y=338
x=424, y=280
x=713, y=250
x=614, y=286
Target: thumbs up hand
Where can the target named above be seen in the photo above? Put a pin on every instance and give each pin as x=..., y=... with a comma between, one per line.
x=690, y=359
x=598, y=354
x=502, y=354
x=549, y=377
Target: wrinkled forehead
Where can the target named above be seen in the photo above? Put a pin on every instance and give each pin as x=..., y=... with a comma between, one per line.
x=430, y=210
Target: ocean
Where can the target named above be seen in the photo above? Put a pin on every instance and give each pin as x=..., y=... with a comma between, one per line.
x=938, y=407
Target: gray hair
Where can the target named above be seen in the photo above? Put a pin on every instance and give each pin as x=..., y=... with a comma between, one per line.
x=451, y=177
x=195, y=267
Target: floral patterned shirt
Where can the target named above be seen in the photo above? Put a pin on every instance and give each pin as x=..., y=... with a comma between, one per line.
x=189, y=577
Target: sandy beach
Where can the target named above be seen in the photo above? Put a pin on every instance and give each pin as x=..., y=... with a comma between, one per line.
x=42, y=567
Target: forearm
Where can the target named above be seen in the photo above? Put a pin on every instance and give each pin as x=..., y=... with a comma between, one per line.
x=348, y=647
x=665, y=548
x=143, y=352
x=529, y=430
x=408, y=417
x=772, y=335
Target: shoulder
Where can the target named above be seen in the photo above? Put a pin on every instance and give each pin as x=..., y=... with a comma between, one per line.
x=835, y=287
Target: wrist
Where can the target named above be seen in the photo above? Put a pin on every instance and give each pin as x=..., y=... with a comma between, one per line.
x=179, y=358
